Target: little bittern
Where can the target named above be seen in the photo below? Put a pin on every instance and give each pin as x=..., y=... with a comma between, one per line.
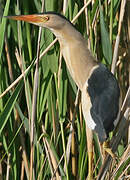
x=99, y=87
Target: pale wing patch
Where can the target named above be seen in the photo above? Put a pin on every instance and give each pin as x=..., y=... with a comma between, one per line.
x=86, y=106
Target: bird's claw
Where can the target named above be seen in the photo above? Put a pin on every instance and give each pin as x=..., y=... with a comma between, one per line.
x=109, y=150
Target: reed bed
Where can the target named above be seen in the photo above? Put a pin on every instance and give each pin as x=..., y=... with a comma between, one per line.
x=42, y=130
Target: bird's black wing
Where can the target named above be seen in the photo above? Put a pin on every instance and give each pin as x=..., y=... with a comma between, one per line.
x=104, y=93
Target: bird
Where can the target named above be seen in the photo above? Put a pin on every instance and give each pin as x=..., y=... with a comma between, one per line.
x=99, y=88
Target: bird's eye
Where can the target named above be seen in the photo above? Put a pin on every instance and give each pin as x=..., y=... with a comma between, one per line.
x=46, y=18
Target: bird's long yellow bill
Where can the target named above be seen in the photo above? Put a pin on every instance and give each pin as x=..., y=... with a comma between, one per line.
x=35, y=18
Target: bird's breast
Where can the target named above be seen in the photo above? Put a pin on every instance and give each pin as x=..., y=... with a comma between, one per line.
x=72, y=65
x=78, y=59
x=67, y=57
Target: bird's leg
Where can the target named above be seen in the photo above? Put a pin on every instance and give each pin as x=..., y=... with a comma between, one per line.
x=90, y=152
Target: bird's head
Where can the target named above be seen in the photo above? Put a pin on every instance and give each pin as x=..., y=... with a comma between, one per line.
x=48, y=20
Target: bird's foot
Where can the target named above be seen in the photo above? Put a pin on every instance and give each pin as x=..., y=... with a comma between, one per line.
x=107, y=149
